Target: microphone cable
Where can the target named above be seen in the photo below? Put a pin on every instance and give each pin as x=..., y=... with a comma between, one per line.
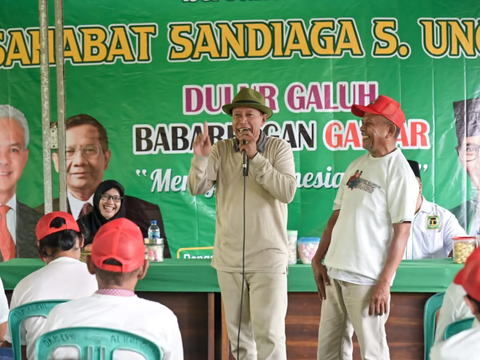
x=245, y=174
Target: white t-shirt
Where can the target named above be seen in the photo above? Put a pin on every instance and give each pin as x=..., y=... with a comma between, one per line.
x=62, y=278
x=3, y=304
x=149, y=319
x=454, y=308
x=432, y=231
x=462, y=346
x=374, y=194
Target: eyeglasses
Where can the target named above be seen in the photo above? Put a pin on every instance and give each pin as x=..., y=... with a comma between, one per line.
x=107, y=197
x=89, y=151
x=468, y=152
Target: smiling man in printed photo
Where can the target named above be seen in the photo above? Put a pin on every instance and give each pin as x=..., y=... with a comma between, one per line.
x=17, y=220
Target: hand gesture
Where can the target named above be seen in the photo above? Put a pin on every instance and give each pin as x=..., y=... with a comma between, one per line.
x=247, y=142
x=380, y=299
x=321, y=278
x=202, y=145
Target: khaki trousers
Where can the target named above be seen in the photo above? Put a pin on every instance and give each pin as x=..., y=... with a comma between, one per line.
x=262, y=332
x=349, y=303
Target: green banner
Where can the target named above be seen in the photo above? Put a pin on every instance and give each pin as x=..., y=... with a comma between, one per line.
x=152, y=72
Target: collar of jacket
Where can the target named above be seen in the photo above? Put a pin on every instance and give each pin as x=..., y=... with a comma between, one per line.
x=262, y=141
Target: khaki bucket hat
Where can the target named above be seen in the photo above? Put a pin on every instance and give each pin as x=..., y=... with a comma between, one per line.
x=248, y=98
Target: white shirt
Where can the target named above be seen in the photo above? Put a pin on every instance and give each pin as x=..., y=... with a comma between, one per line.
x=12, y=217
x=462, y=346
x=374, y=194
x=76, y=205
x=454, y=308
x=149, y=319
x=432, y=231
x=63, y=278
x=3, y=304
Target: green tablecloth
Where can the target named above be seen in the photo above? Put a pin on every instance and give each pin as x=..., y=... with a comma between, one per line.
x=198, y=276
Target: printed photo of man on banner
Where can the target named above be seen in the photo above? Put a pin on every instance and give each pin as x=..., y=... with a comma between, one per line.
x=467, y=120
x=17, y=220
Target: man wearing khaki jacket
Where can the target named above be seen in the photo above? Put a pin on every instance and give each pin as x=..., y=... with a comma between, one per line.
x=270, y=186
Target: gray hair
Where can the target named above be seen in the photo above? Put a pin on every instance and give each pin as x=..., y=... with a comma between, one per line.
x=8, y=111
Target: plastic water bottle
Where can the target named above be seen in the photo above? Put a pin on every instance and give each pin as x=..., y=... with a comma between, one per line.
x=154, y=245
x=153, y=230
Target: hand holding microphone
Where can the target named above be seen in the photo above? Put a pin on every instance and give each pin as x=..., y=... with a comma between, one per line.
x=247, y=142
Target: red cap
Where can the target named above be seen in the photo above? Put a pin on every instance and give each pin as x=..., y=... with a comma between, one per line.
x=469, y=276
x=385, y=106
x=43, y=227
x=122, y=240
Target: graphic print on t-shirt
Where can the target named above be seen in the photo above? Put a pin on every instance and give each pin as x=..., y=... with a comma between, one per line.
x=356, y=182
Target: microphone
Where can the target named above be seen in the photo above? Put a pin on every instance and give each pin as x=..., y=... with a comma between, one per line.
x=245, y=163
x=245, y=157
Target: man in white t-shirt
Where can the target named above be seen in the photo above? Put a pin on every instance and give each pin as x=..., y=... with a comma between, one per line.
x=433, y=227
x=3, y=312
x=364, y=240
x=118, y=261
x=466, y=344
x=64, y=277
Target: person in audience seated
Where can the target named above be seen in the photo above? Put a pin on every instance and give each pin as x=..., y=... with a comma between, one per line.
x=108, y=205
x=432, y=229
x=118, y=262
x=454, y=307
x=64, y=277
x=3, y=312
x=466, y=344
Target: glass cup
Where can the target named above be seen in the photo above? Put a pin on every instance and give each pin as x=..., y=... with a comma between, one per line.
x=154, y=249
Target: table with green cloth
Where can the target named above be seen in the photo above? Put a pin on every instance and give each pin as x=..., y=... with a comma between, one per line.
x=190, y=289
x=175, y=275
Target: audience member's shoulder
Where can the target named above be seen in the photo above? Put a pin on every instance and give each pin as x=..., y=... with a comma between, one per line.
x=30, y=280
x=62, y=310
x=157, y=309
x=72, y=306
x=43, y=275
x=455, y=290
